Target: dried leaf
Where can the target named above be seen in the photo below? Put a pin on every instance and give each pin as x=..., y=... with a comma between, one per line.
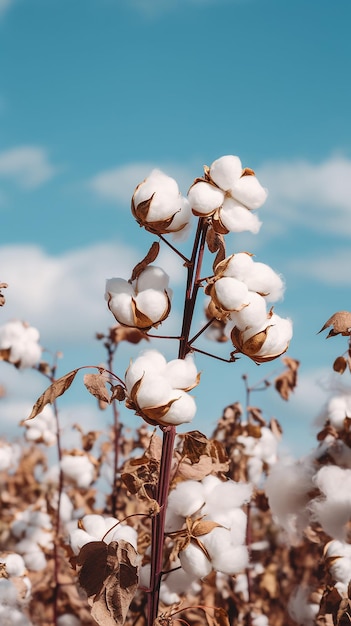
x=125, y=333
x=340, y=322
x=2, y=297
x=56, y=389
x=202, y=527
x=340, y=365
x=109, y=575
x=149, y=258
x=286, y=382
x=96, y=385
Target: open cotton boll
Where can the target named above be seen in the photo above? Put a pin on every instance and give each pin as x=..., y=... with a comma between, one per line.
x=180, y=225
x=278, y=336
x=264, y=280
x=227, y=495
x=239, y=266
x=204, y=198
x=182, y=410
x=150, y=361
x=14, y=564
x=225, y=557
x=254, y=314
x=254, y=470
x=337, y=409
x=125, y=532
x=94, y=525
x=237, y=219
x=152, y=303
x=79, y=469
x=152, y=278
x=232, y=294
x=334, y=510
x=194, y=561
x=78, y=538
x=8, y=594
x=154, y=390
x=249, y=192
x=163, y=193
x=117, y=286
x=178, y=582
x=300, y=608
x=186, y=498
x=226, y=171
x=120, y=306
x=259, y=619
x=181, y=373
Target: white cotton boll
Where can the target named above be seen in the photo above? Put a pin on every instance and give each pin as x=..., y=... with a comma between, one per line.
x=248, y=191
x=182, y=410
x=11, y=616
x=333, y=511
x=14, y=564
x=226, y=171
x=337, y=548
x=144, y=576
x=181, y=373
x=163, y=192
x=66, y=508
x=153, y=391
x=125, y=532
x=79, y=538
x=267, y=446
x=237, y=219
x=238, y=527
x=209, y=483
x=79, y=469
x=68, y=619
x=35, y=560
x=149, y=361
x=300, y=608
x=152, y=303
x=204, y=198
x=241, y=586
x=180, y=226
x=42, y=426
x=194, y=561
x=254, y=314
x=180, y=582
x=29, y=356
x=117, y=286
x=254, y=470
x=264, y=280
x=259, y=619
x=8, y=593
x=152, y=278
x=231, y=561
x=239, y=266
x=120, y=306
x=340, y=570
x=94, y=525
x=168, y=597
x=337, y=408
x=42, y=537
x=6, y=457
x=232, y=294
x=186, y=498
x=278, y=336
x=173, y=521
x=227, y=495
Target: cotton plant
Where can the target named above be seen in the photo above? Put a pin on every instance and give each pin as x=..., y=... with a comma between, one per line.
x=19, y=344
x=205, y=527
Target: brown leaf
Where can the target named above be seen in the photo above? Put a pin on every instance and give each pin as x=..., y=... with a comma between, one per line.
x=2, y=297
x=149, y=258
x=96, y=385
x=286, y=382
x=340, y=365
x=195, y=444
x=125, y=333
x=340, y=322
x=219, y=618
x=56, y=389
x=109, y=575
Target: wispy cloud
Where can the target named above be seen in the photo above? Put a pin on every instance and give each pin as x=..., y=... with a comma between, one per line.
x=5, y=5
x=118, y=184
x=26, y=166
x=312, y=195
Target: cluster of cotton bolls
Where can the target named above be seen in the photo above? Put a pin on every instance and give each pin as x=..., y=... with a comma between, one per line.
x=337, y=555
x=223, y=547
x=15, y=591
x=240, y=290
x=261, y=452
x=158, y=205
x=43, y=427
x=79, y=469
x=94, y=527
x=19, y=344
x=34, y=533
x=157, y=389
x=143, y=303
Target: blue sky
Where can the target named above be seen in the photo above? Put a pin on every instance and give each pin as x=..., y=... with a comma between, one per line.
x=95, y=93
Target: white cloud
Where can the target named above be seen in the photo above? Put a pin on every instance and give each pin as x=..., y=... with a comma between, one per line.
x=118, y=184
x=63, y=296
x=316, y=196
x=27, y=166
x=5, y=5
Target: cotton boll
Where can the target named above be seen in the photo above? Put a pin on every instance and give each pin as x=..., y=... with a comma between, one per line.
x=267, y=446
x=237, y=219
x=94, y=525
x=226, y=496
x=125, y=532
x=173, y=521
x=181, y=373
x=35, y=560
x=300, y=608
x=186, y=498
x=8, y=593
x=180, y=226
x=163, y=193
x=259, y=620
x=79, y=469
x=120, y=306
x=118, y=286
x=194, y=561
x=152, y=278
x=340, y=570
x=144, y=576
x=179, y=582
x=278, y=336
x=226, y=171
x=334, y=510
x=153, y=391
x=78, y=538
x=14, y=564
x=254, y=470
x=264, y=280
x=168, y=597
x=239, y=266
x=248, y=191
x=225, y=557
x=68, y=619
x=337, y=408
x=12, y=616
x=149, y=361
x=254, y=314
x=204, y=198
x=152, y=303
x=209, y=483
x=182, y=410
x=231, y=294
